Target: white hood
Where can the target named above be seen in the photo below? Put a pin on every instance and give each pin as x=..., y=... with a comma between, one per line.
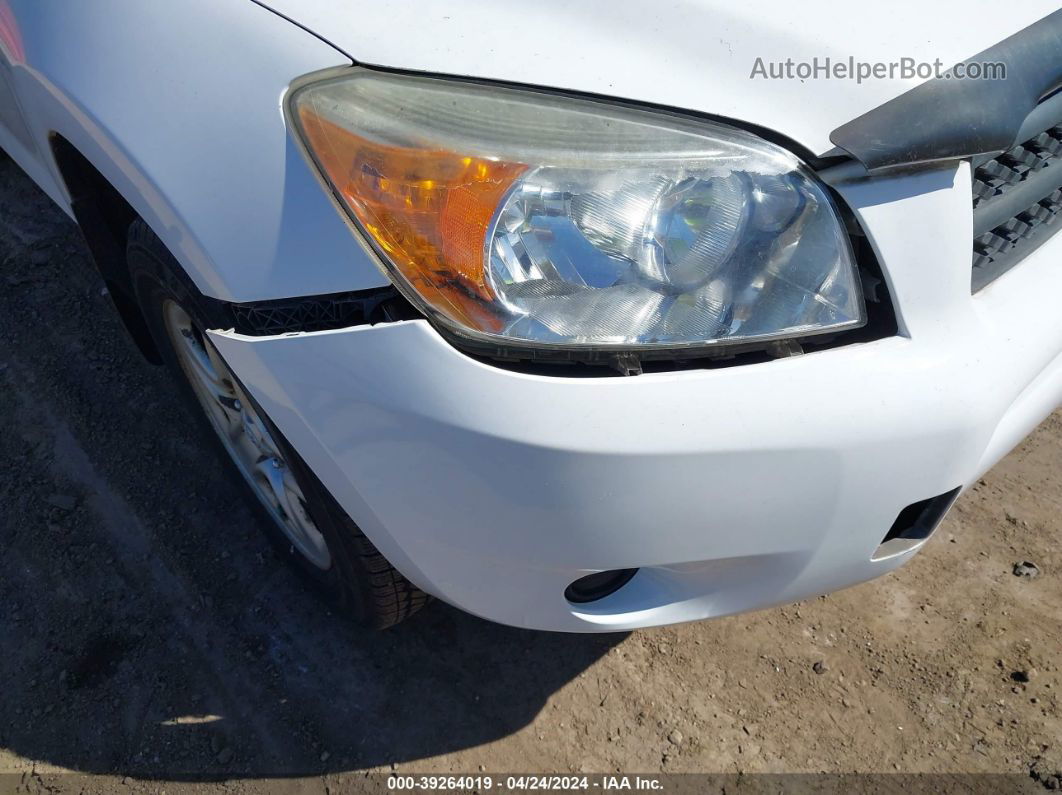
x=691, y=54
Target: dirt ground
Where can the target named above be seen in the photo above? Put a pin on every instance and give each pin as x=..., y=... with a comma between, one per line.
x=148, y=635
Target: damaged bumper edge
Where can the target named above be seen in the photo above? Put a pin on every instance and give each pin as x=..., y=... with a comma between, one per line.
x=728, y=489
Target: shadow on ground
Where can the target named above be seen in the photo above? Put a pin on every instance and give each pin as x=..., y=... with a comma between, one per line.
x=146, y=628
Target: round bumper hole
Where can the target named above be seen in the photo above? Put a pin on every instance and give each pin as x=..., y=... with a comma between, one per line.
x=598, y=585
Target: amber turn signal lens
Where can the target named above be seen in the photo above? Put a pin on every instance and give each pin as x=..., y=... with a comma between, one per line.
x=429, y=211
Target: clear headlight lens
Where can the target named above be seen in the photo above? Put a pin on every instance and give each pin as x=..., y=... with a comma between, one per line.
x=520, y=217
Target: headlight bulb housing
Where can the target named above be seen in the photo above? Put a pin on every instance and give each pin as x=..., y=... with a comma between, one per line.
x=532, y=221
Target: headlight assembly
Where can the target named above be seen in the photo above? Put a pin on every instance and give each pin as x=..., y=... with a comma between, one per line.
x=534, y=220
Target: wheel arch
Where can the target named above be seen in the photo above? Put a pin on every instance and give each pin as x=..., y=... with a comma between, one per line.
x=126, y=124
x=104, y=216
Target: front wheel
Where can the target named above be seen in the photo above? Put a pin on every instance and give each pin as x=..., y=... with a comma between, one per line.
x=299, y=515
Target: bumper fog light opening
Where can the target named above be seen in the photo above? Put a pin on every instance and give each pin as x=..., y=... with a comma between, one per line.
x=598, y=585
x=915, y=525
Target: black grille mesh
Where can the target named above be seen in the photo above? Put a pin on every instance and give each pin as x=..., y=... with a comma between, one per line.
x=320, y=313
x=1006, y=237
x=997, y=177
x=1008, y=179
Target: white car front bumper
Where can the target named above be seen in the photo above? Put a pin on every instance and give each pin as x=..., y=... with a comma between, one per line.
x=728, y=489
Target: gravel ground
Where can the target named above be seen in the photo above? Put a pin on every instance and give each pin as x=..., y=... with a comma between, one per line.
x=148, y=635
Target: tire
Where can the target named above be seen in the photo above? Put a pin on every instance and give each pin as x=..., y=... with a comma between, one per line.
x=305, y=523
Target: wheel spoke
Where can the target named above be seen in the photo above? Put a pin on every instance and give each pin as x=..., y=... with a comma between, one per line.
x=246, y=436
x=295, y=502
x=258, y=433
x=287, y=496
x=217, y=364
x=267, y=474
x=203, y=366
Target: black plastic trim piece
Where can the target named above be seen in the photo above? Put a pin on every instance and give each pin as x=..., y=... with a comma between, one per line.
x=997, y=251
x=1006, y=186
x=1017, y=203
x=950, y=119
x=321, y=312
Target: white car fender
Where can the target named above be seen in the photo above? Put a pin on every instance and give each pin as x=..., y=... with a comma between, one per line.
x=179, y=106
